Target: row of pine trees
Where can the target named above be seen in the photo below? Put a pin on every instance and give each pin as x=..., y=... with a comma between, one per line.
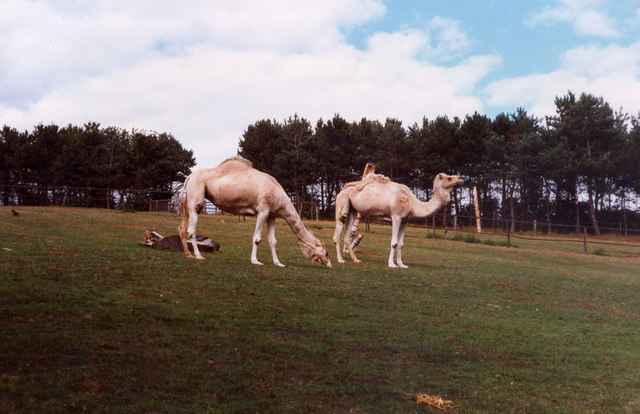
x=110, y=160
x=578, y=167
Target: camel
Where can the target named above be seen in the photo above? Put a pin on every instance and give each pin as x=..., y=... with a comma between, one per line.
x=377, y=196
x=236, y=187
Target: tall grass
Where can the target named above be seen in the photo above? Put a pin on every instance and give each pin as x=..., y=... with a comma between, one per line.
x=91, y=321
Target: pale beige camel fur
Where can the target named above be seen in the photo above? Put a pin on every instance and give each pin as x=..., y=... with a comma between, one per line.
x=236, y=187
x=377, y=196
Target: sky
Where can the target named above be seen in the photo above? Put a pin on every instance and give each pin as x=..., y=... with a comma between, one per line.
x=204, y=71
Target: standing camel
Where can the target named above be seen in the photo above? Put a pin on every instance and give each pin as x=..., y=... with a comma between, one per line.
x=236, y=187
x=376, y=196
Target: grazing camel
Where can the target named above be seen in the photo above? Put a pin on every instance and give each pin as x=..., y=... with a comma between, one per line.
x=236, y=187
x=376, y=196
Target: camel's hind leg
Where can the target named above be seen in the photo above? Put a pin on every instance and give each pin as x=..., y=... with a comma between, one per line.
x=191, y=231
x=353, y=234
x=182, y=230
x=271, y=228
x=395, y=230
x=261, y=219
x=348, y=224
x=403, y=228
x=342, y=212
x=187, y=230
x=337, y=236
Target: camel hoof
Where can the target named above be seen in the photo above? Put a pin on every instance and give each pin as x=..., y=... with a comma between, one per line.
x=341, y=261
x=357, y=261
x=403, y=266
x=279, y=264
x=256, y=263
x=198, y=257
x=393, y=265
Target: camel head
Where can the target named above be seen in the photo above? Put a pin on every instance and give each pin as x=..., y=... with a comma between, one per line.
x=443, y=184
x=314, y=250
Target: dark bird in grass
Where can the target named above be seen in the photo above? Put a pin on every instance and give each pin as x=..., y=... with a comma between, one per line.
x=15, y=213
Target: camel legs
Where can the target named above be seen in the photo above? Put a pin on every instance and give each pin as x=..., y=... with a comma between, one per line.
x=398, y=227
x=350, y=219
x=261, y=219
x=395, y=227
x=191, y=233
x=271, y=227
x=353, y=233
x=396, y=224
x=337, y=236
x=403, y=227
x=182, y=230
x=342, y=233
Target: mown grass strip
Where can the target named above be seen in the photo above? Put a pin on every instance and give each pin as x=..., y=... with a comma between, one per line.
x=92, y=321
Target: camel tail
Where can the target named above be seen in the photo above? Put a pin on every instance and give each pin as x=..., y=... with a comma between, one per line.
x=182, y=199
x=342, y=211
x=183, y=209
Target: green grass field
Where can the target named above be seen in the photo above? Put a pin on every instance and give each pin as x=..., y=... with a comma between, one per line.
x=92, y=322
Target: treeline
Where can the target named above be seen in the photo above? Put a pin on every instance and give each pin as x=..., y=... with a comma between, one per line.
x=114, y=162
x=578, y=167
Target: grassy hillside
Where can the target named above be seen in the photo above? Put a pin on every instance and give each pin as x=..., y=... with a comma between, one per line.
x=91, y=321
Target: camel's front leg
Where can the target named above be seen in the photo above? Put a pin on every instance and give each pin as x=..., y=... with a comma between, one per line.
x=257, y=235
x=271, y=228
x=395, y=230
x=403, y=228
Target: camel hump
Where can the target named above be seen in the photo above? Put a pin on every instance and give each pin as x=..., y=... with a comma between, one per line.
x=377, y=178
x=242, y=161
x=370, y=179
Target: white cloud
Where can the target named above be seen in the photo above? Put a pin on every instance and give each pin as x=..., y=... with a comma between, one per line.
x=612, y=72
x=587, y=17
x=450, y=39
x=205, y=73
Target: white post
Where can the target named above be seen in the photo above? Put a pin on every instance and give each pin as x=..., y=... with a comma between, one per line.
x=475, y=201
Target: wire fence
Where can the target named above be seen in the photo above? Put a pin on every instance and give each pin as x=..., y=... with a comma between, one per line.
x=109, y=198
x=530, y=231
x=167, y=201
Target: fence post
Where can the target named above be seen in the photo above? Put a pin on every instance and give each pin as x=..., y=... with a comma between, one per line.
x=455, y=223
x=433, y=226
x=475, y=202
x=585, y=240
x=535, y=227
x=508, y=235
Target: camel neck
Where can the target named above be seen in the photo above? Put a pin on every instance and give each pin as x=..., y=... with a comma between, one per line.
x=290, y=215
x=422, y=209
